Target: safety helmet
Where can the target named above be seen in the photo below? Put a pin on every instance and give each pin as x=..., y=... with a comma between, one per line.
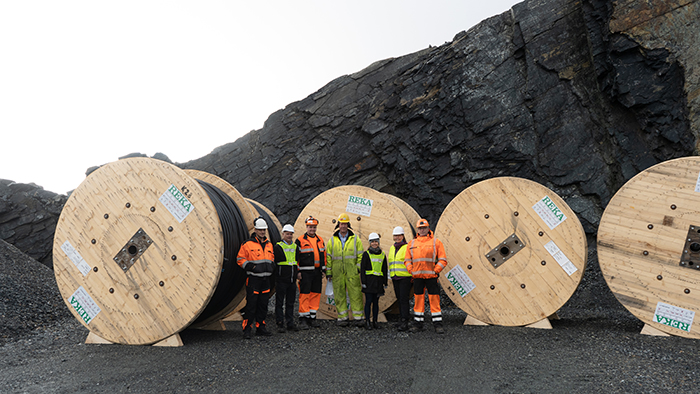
x=310, y=221
x=422, y=223
x=398, y=231
x=343, y=218
x=260, y=224
x=373, y=237
x=288, y=227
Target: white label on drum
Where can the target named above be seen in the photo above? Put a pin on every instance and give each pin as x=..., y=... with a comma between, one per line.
x=84, y=304
x=549, y=212
x=674, y=316
x=561, y=258
x=176, y=203
x=697, y=184
x=75, y=257
x=460, y=281
x=359, y=205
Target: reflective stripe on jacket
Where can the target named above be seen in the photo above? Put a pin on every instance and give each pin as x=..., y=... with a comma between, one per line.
x=425, y=257
x=257, y=258
x=397, y=268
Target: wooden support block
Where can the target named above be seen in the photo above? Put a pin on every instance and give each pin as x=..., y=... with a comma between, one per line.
x=234, y=317
x=171, y=341
x=381, y=318
x=217, y=325
x=544, y=323
x=471, y=321
x=95, y=339
x=554, y=316
x=649, y=330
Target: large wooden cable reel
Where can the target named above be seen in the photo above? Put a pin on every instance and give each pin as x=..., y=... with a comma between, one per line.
x=138, y=251
x=515, y=250
x=370, y=211
x=649, y=246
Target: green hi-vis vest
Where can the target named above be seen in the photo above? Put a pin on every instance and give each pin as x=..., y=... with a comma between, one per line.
x=289, y=253
x=377, y=260
x=396, y=262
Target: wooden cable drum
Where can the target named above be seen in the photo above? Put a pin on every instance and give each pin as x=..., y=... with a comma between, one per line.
x=515, y=251
x=370, y=211
x=138, y=251
x=231, y=293
x=649, y=246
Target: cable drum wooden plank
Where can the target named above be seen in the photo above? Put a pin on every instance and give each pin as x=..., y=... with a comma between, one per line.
x=177, y=257
x=647, y=229
x=530, y=282
x=381, y=216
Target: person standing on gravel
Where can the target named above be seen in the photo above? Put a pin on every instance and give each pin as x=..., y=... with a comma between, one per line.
x=257, y=258
x=400, y=277
x=425, y=258
x=343, y=267
x=286, y=254
x=373, y=274
x=312, y=266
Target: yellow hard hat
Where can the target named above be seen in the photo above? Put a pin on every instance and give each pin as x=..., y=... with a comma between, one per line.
x=343, y=218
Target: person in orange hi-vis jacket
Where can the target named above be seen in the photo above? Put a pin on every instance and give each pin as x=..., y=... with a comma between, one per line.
x=257, y=257
x=312, y=268
x=425, y=258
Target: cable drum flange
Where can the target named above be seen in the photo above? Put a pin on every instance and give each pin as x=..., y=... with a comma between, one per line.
x=497, y=234
x=111, y=205
x=646, y=246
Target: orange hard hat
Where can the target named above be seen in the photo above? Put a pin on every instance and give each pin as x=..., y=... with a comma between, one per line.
x=422, y=223
x=310, y=221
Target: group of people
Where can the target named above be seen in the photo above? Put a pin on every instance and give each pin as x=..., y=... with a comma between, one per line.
x=350, y=269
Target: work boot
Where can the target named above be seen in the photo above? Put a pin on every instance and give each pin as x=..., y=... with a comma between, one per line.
x=313, y=322
x=375, y=325
x=248, y=332
x=292, y=327
x=438, y=328
x=367, y=325
x=403, y=326
x=416, y=327
x=262, y=331
x=360, y=323
x=303, y=325
x=280, y=328
x=342, y=323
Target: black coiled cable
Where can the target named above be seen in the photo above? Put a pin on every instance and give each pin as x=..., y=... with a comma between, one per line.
x=235, y=231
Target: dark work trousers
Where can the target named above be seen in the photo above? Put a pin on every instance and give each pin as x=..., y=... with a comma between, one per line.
x=256, y=299
x=372, y=299
x=402, y=289
x=285, y=294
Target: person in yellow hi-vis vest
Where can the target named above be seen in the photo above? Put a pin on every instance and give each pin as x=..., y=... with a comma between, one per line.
x=400, y=277
x=344, y=253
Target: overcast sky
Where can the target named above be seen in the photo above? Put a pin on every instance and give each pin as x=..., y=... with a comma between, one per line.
x=85, y=82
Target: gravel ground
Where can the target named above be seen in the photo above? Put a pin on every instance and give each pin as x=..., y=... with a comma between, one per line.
x=595, y=346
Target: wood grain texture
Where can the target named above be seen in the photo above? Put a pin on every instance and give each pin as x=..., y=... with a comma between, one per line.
x=522, y=290
x=385, y=215
x=98, y=220
x=641, y=240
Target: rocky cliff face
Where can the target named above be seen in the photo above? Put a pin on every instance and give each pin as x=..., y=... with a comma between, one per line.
x=551, y=90
x=28, y=217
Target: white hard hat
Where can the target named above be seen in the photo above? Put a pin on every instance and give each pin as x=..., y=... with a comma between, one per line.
x=288, y=227
x=398, y=231
x=260, y=224
x=374, y=236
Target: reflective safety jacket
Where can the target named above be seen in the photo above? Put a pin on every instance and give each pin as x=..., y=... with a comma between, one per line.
x=344, y=260
x=312, y=252
x=286, y=261
x=373, y=272
x=425, y=257
x=397, y=268
x=257, y=257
